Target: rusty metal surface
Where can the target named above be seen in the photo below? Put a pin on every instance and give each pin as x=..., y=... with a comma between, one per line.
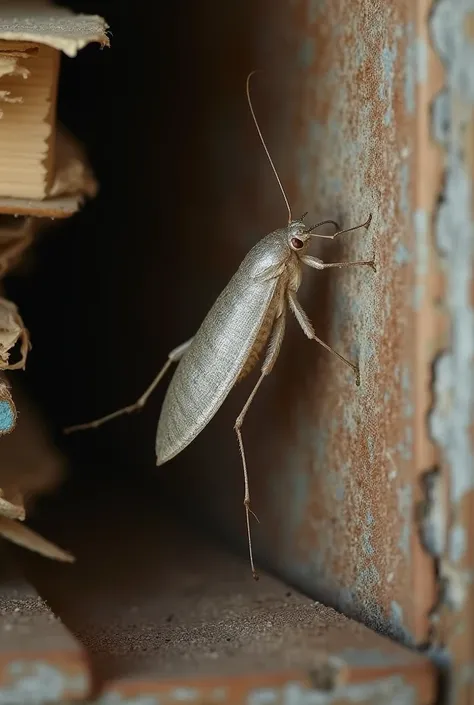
x=168, y=616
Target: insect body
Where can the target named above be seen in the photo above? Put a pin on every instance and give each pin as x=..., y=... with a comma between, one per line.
x=248, y=316
x=228, y=343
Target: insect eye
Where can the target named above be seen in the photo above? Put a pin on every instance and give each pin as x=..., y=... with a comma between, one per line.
x=296, y=243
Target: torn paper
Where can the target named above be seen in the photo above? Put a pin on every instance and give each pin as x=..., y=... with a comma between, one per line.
x=12, y=506
x=30, y=466
x=46, y=23
x=25, y=537
x=12, y=330
x=8, y=412
x=30, y=463
x=73, y=172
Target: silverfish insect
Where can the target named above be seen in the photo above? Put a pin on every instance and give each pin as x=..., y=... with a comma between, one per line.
x=247, y=316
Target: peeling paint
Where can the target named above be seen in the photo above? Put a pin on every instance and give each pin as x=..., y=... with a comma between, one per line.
x=431, y=513
x=185, y=694
x=455, y=585
x=452, y=418
x=116, y=698
x=392, y=690
x=402, y=255
x=416, y=67
x=410, y=70
x=457, y=542
x=367, y=535
x=212, y=696
x=389, y=691
x=367, y=579
x=399, y=630
x=405, y=508
x=36, y=683
x=441, y=118
x=388, y=58
x=405, y=189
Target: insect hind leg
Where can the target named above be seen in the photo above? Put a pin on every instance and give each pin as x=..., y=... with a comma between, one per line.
x=270, y=359
x=174, y=356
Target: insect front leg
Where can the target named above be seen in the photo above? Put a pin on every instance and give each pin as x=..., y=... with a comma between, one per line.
x=308, y=330
x=318, y=264
x=270, y=359
x=338, y=231
x=174, y=356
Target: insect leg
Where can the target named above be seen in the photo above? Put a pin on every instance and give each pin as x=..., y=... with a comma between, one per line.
x=317, y=264
x=173, y=356
x=270, y=358
x=339, y=232
x=308, y=330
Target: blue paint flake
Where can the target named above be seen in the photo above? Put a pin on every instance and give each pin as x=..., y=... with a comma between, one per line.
x=405, y=509
x=7, y=416
x=402, y=255
x=421, y=61
x=418, y=296
x=367, y=579
x=185, y=694
x=408, y=409
x=457, y=543
x=370, y=448
x=399, y=631
x=411, y=71
x=406, y=385
x=405, y=189
x=367, y=535
x=388, y=59
x=452, y=416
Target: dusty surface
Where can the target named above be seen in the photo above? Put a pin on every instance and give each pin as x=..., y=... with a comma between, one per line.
x=40, y=661
x=27, y=623
x=151, y=600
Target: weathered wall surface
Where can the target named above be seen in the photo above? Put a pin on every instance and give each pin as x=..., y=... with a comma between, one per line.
x=452, y=416
x=334, y=469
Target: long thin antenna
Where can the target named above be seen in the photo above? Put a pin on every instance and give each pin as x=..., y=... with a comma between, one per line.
x=265, y=146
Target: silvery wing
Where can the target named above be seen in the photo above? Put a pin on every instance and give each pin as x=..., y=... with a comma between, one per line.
x=219, y=351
